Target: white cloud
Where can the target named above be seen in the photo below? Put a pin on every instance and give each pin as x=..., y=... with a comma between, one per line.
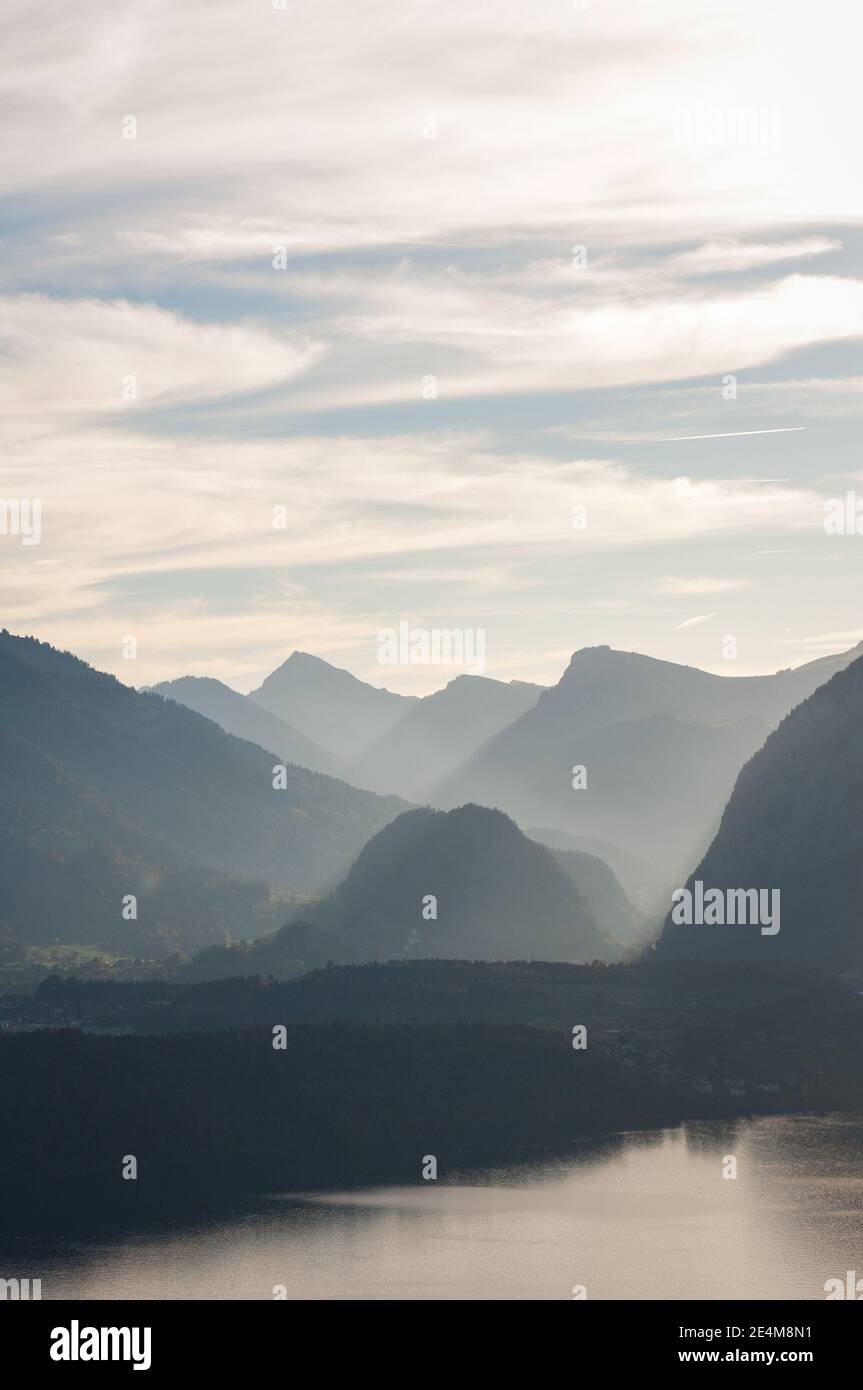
x=480, y=336
x=125, y=518
x=76, y=356
x=721, y=257
x=312, y=121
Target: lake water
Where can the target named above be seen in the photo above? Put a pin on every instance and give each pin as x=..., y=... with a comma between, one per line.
x=643, y=1216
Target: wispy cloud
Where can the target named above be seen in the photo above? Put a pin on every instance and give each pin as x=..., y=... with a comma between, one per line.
x=722, y=257
x=84, y=357
x=696, y=622
x=479, y=337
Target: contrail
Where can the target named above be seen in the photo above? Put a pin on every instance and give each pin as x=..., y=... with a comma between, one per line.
x=732, y=434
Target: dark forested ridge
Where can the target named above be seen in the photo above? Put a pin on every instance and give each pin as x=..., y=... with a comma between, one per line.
x=649, y=995
x=211, y=1116
x=794, y=824
x=382, y=1065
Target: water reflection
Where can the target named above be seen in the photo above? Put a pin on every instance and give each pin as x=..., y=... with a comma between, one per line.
x=641, y=1215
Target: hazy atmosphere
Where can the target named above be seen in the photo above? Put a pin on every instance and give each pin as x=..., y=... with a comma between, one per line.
x=431, y=667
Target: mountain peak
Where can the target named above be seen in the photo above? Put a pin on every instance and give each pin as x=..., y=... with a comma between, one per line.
x=299, y=663
x=614, y=659
x=298, y=658
x=329, y=705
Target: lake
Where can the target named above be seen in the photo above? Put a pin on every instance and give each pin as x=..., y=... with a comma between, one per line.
x=637, y=1216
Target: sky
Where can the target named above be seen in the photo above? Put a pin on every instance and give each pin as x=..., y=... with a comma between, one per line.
x=541, y=320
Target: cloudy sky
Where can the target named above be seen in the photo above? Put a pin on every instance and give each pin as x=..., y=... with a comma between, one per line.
x=419, y=281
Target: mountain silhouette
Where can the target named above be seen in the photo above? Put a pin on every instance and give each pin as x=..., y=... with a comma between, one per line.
x=793, y=824
x=495, y=894
x=107, y=791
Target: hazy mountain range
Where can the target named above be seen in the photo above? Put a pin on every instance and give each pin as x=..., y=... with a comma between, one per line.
x=661, y=746
x=439, y=732
x=169, y=795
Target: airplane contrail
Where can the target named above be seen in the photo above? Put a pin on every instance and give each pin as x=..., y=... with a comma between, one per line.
x=732, y=434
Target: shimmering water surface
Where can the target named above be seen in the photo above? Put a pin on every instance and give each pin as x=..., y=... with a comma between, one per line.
x=646, y=1216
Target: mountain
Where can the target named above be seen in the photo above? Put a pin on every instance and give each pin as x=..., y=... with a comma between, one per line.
x=329, y=705
x=486, y=890
x=106, y=791
x=373, y=914
x=794, y=825
x=609, y=904
x=645, y=886
x=661, y=744
x=438, y=732
x=240, y=716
